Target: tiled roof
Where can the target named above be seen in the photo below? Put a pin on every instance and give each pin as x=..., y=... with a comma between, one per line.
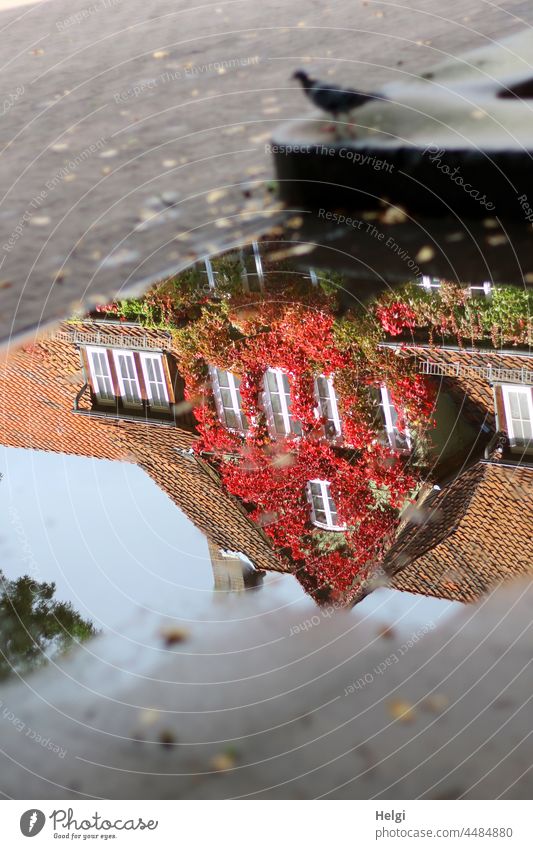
x=38, y=385
x=472, y=391
x=457, y=549
x=468, y=537
x=195, y=488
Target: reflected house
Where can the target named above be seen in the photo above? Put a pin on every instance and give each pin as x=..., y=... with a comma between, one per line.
x=477, y=528
x=472, y=530
x=232, y=571
x=113, y=391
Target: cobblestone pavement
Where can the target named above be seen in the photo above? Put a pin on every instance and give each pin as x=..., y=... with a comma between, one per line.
x=256, y=703
x=133, y=135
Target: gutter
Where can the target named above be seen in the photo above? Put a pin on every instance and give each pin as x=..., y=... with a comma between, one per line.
x=509, y=464
x=500, y=352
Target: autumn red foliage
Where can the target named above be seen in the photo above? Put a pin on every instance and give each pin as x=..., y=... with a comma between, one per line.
x=395, y=317
x=368, y=480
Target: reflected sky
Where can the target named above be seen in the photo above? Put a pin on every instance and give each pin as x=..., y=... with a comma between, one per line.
x=116, y=546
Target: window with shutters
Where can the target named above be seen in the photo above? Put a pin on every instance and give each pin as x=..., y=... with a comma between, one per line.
x=323, y=509
x=136, y=379
x=277, y=403
x=327, y=405
x=518, y=403
x=226, y=389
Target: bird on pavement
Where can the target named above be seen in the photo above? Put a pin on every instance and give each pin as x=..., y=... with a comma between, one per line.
x=330, y=97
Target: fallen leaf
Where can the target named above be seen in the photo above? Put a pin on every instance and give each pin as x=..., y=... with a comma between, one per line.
x=496, y=240
x=401, y=711
x=224, y=761
x=386, y=632
x=295, y=222
x=167, y=739
x=436, y=703
x=425, y=254
x=149, y=716
x=215, y=195
x=173, y=635
x=394, y=215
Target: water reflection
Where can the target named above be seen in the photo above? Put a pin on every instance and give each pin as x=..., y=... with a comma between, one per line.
x=286, y=429
x=34, y=625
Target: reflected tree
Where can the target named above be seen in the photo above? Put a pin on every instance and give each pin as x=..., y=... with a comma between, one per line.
x=33, y=626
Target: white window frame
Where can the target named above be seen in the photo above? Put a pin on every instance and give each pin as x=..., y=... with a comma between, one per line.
x=313, y=276
x=429, y=283
x=129, y=354
x=259, y=272
x=332, y=397
x=155, y=403
x=517, y=442
x=210, y=273
x=94, y=375
x=391, y=430
x=234, y=393
x=324, y=494
x=267, y=403
x=486, y=288
x=258, y=262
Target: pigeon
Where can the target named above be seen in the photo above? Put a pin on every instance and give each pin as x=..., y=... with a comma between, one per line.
x=330, y=98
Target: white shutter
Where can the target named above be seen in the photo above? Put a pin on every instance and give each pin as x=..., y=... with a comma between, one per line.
x=154, y=380
x=518, y=402
x=327, y=405
x=101, y=375
x=226, y=389
x=398, y=440
x=130, y=389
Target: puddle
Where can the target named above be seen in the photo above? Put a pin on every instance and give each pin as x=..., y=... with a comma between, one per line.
x=251, y=430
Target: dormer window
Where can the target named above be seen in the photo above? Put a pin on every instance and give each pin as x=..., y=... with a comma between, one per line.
x=226, y=388
x=277, y=403
x=399, y=440
x=134, y=379
x=323, y=509
x=327, y=405
x=518, y=404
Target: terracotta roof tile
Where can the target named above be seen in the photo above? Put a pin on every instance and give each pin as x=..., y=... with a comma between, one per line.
x=472, y=535
x=195, y=488
x=38, y=385
x=473, y=393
